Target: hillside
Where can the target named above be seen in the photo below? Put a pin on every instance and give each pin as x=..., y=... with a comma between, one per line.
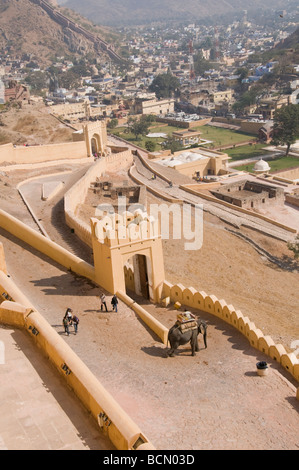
x=291, y=42
x=130, y=12
x=286, y=53
x=25, y=28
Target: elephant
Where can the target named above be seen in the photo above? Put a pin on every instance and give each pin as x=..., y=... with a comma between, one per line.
x=177, y=336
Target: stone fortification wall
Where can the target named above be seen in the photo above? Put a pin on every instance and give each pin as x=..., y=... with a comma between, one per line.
x=292, y=199
x=112, y=420
x=192, y=298
x=65, y=22
x=78, y=193
x=42, y=153
x=250, y=127
x=45, y=245
x=183, y=124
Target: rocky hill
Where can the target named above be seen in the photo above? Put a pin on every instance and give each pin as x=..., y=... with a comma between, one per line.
x=26, y=28
x=130, y=12
x=291, y=42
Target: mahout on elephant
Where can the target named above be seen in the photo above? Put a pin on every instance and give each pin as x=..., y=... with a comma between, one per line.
x=185, y=332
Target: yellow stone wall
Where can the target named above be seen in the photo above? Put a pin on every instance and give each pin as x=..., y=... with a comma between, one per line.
x=219, y=308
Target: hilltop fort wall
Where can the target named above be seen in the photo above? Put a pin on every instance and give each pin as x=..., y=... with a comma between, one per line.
x=42, y=153
x=65, y=22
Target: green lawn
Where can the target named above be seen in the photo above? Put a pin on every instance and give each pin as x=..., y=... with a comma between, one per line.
x=246, y=151
x=282, y=163
x=223, y=137
x=218, y=135
x=120, y=131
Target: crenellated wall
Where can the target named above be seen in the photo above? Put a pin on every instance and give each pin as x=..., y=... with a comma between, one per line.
x=78, y=192
x=219, y=308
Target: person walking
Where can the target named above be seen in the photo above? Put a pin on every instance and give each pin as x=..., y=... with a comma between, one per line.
x=114, y=302
x=68, y=314
x=75, y=322
x=66, y=323
x=103, y=302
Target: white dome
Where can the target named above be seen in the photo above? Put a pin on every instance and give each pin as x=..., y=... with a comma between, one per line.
x=261, y=165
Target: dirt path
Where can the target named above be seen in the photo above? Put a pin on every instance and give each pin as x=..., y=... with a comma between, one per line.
x=215, y=397
x=212, y=401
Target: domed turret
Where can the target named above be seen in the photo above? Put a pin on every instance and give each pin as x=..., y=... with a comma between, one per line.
x=261, y=167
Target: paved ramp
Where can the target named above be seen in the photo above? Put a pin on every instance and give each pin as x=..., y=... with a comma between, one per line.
x=38, y=412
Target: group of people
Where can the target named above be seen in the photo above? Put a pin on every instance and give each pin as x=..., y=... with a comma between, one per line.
x=70, y=319
x=114, y=302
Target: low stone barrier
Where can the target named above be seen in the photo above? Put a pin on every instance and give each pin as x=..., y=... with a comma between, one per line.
x=177, y=293
x=111, y=418
x=187, y=188
x=154, y=191
x=146, y=317
x=46, y=246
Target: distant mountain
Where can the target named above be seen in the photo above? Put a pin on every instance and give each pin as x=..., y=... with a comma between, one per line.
x=26, y=28
x=130, y=12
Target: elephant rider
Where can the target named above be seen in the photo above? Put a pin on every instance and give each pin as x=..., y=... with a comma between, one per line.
x=185, y=317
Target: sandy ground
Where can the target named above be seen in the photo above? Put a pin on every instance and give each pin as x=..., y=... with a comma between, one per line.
x=214, y=400
x=216, y=397
x=225, y=266
x=32, y=125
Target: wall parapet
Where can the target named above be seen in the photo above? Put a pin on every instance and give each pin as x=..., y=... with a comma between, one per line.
x=148, y=319
x=77, y=193
x=42, y=153
x=187, y=188
x=111, y=418
x=46, y=246
x=219, y=308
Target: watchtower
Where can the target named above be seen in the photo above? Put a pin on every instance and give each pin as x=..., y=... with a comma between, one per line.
x=128, y=237
x=96, y=138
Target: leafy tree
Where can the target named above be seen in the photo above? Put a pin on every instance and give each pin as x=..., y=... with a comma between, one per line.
x=69, y=80
x=165, y=85
x=150, y=146
x=171, y=144
x=149, y=118
x=37, y=80
x=243, y=72
x=286, y=126
x=112, y=123
x=138, y=126
x=248, y=98
x=201, y=65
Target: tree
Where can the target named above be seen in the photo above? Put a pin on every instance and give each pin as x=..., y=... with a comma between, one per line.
x=201, y=65
x=150, y=146
x=171, y=144
x=286, y=126
x=138, y=126
x=165, y=85
x=37, y=81
x=112, y=123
